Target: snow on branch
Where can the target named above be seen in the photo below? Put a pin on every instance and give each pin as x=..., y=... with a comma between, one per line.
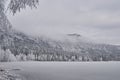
x=17, y=5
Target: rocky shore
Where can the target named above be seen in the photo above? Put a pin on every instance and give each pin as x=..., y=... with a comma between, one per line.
x=8, y=75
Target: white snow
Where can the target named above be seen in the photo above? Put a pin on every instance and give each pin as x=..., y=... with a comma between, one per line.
x=66, y=70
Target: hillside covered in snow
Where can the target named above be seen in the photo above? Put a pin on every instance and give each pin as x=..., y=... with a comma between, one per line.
x=17, y=46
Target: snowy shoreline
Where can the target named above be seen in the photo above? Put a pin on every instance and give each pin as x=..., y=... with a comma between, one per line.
x=8, y=75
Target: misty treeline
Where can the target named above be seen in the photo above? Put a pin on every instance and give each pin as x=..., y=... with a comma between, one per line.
x=20, y=47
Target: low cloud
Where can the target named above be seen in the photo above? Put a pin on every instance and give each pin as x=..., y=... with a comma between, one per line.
x=96, y=19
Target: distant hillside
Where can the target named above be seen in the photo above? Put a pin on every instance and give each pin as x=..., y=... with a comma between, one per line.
x=74, y=47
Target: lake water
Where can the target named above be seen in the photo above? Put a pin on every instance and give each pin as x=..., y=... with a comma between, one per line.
x=66, y=70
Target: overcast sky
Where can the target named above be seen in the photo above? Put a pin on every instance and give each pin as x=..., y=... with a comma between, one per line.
x=95, y=19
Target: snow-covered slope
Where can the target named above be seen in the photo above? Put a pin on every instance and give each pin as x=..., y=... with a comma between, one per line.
x=77, y=44
x=67, y=47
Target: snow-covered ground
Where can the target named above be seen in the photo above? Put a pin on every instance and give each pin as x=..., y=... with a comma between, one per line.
x=66, y=70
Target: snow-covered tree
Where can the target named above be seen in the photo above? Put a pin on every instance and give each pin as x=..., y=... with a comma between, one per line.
x=17, y=5
x=13, y=6
x=18, y=57
x=6, y=55
x=5, y=26
x=21, y=57
x=30, y=57
x=9, y=56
